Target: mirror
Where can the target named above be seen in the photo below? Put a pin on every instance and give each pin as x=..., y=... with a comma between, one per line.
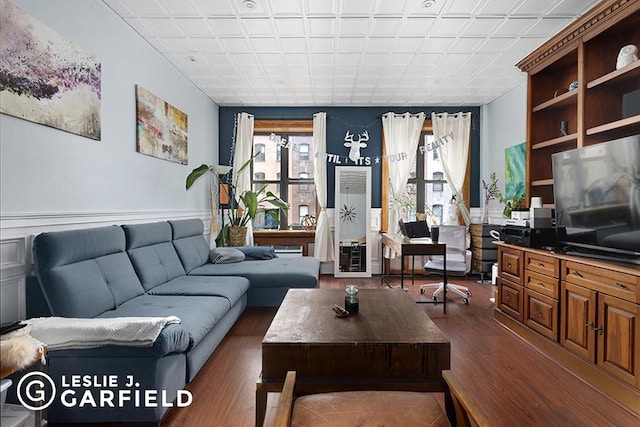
x=352, y=222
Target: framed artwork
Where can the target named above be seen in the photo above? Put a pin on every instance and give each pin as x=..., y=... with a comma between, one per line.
x=161, y=129
x=45, y=78
x=515, y=170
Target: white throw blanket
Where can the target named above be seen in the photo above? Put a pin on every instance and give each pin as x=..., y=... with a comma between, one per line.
x=74, y=333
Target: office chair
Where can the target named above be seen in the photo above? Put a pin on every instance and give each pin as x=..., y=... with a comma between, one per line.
x=458, y=262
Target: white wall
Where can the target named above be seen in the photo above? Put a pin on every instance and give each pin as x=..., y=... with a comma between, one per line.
x=504, y=124
x=45, y=170
x=52, y=179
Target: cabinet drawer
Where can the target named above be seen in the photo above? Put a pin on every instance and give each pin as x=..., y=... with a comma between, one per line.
x=543, y=264
x=541, y=313
x=510, y=264
x=484, y=254
x=481, y=266
x=510, y=296
x=543, y=284
x=483, y=230
x=482, y=242
x=599, y=279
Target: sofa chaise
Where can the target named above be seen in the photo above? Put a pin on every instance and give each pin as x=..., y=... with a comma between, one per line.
x=149, y=270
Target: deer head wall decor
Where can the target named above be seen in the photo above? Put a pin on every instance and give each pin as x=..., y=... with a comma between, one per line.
x=355, y=146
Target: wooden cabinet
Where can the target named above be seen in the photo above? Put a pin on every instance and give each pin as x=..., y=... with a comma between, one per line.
x=483, y=252
x=591, y=112
x=598, y=326
x=591, y=307
x=528, y=288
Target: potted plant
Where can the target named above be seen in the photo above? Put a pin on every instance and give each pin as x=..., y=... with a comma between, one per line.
x=492, y=191
x=243, y=209
x=512, y=204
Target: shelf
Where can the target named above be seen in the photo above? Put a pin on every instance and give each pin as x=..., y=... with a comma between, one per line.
x=625, y=74
x=563, y=100
x=617, y=125
x=542, y=182
x=555, y=141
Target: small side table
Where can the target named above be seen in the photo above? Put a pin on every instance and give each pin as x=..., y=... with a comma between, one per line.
x=483, y=252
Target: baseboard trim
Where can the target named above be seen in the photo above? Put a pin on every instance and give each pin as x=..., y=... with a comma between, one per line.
x=597, y=378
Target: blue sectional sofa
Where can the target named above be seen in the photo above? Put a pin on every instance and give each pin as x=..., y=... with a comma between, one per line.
x=157, y=270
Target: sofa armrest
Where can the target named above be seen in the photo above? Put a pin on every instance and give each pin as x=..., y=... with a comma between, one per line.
x=172, y=339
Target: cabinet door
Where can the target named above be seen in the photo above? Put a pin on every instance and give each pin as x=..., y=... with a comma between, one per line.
x=618, y=337
x=510, y=264
x=577, y=323
x=541, y=313
x=511, y=298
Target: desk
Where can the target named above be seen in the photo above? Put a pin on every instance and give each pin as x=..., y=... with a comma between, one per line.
x=285, y=238
x=408, y=247
x=372, y=350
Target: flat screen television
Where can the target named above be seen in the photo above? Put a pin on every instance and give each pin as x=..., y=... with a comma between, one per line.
x=597, y=199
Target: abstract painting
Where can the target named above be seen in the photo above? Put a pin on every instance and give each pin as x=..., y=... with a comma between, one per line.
x=161, y=128
x=45, y=78
x=515, y=170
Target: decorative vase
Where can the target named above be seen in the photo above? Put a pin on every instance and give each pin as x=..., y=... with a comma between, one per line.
x=237, y=236
x=485, y=212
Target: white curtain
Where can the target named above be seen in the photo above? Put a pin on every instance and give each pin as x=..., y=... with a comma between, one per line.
x=243, y=152
x=323, y=246
x=451, y=133
x=401, y=138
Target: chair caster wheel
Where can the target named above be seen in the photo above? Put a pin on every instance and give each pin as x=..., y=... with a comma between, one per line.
x=465, y=301
x=435, y=298
x=468, y=293
x=421, y=291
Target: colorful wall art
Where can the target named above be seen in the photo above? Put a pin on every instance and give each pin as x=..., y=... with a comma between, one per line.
x=515, y=170
x=161, y=128
x=45, y=78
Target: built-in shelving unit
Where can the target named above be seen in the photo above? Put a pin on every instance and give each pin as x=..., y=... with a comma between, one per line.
x=585, y=52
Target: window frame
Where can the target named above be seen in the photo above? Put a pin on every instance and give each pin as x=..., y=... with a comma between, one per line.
x=285, y=128
x=427, y=128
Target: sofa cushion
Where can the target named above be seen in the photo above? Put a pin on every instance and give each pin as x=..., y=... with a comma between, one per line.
x=198, y=314
x=189, y=242
x=153, y=256
x=258, y=252
x=288, y=272
x=232, y=288
x=89, y=264
x=225, y=256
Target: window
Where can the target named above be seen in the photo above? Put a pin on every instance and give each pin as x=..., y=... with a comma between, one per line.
x=438, y=180
x=437, y=213
x=302, y=211
x=287, y=170
x=426, y=192
x=303, y=187
x=258, y=176
x=303, y=153
x=259, y=153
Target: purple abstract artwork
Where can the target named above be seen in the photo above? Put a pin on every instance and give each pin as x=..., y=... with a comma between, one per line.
x=45, y=78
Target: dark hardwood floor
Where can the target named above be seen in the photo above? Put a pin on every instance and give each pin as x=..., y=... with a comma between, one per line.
x=482, y=350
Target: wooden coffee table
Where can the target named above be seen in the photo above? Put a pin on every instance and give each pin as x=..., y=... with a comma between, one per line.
x=391, y=344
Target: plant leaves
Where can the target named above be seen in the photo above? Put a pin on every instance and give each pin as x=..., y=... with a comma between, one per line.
x=197, y=173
